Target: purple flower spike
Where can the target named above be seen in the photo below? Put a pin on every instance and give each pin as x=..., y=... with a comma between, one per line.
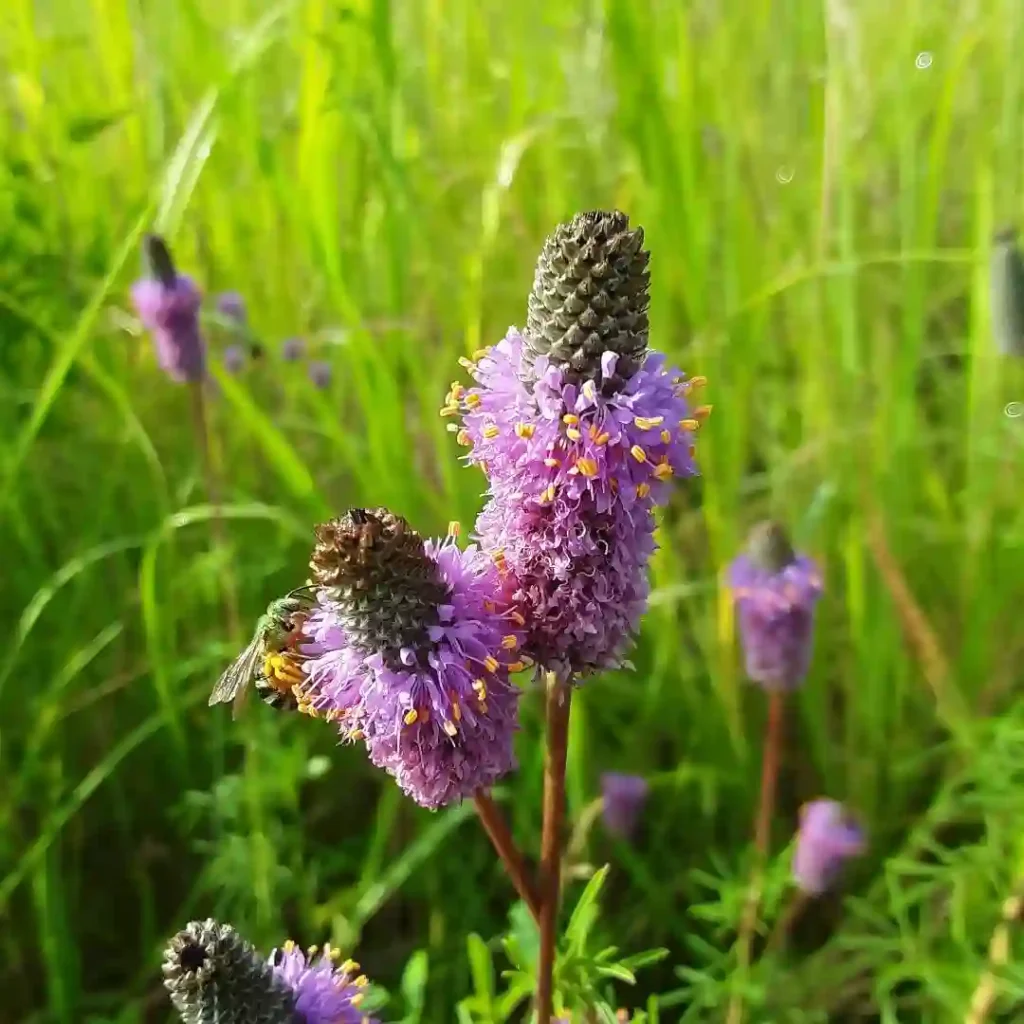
x=234, y=358
x=168, y=303
x=292, y=349
x=231, y=306
x=320, y=374
x=776, y=591
x=409, y=653
x=624, y=798
x=827, y=838
x=325, y=992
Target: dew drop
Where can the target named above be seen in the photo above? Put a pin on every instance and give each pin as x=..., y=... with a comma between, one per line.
x=923, y=60
x=784, y=175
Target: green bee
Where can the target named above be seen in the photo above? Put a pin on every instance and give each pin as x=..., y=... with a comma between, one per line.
x=270, y=661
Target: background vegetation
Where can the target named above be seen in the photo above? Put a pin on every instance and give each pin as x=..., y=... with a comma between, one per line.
x=818, y=183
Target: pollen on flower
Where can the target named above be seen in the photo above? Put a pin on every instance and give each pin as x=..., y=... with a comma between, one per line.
x=472, y=400
x=696, y=382
x=454, y=528
x=463, y=438
x=525, y=430
x=588, y=467
x=548, y=494
x=466, y=364
x=450, y=728
x=603, y=438
x=517, y=618
x=457, y=391
x=663, y=471
x=509, y=643
x=450, y=410
x=666, y=436
x=638, y=453
x=689, y=425
x=517, y=666
x=479, y=354
x=491, y=431
x=702, y=412
x=570, y=419
x=552, y=463
x=491, y=663
x=410, y=716
x=648, y=422
x=481, y=688
x=642, y=490
x=573, y=434
x=456, y=708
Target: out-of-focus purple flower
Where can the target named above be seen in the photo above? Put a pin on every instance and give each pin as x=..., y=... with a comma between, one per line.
x=776, y=591
x=827, y=838
x=409, y=653
x=168, y=304
x=292, y=349
x=234, y=358
x=579, y=429
x=325, y=992
x=320, y=374
x=624, y=797
x=231, y=306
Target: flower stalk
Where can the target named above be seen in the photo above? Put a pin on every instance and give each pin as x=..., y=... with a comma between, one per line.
x=512, y=859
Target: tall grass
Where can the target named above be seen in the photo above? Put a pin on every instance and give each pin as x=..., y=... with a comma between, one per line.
x=378, y=177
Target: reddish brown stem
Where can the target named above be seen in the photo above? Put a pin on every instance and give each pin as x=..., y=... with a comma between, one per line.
x=558, y=703
x=501, y=837
x=762, y=835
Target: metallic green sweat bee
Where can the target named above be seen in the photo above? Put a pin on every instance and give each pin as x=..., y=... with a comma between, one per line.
x=270, y=661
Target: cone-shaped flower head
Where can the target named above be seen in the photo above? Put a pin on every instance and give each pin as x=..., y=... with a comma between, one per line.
x=590, y=296
x=1006, y=293
x=827, y=838
x=215, y=977
x=624, y=797
x=776, y=591
x=168, y=306
x=409, y=653
x=579, y=430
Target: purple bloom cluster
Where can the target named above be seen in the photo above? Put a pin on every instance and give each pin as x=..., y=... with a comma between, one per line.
x=775, y=603
x=325, y=992
x=827, y=838
x=231, y=306
x=624, y=797
x=443, y=723
x=576, y=471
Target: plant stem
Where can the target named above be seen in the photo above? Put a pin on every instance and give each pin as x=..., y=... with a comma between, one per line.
x=558, y=703
x=985, y=994
x=762, y=835
x=501, y=837
x=201, y=426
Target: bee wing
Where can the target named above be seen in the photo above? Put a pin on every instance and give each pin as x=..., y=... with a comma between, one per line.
x=237, y=675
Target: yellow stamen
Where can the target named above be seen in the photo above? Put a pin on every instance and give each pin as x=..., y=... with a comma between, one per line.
x=456, y=710
x=480, y=686
x=663, y=471
x=638, y=453
x=490, y=606
x=452, y=428
x=696, y=382
x=491, y=431
x=666, y=436
x=450, y=410
x=472, y=400
x=603, y=438
x=588, y=467
x=509, y=643
x=515, y=666
x=552, y=463
x=491, y=663
x=454, y=528
x=642, y=490
x=311, y=951
x=462, y=437
x=410, y=716
x=355, y=1000
x=689, y=425
x=517, y=618
x=548, y=494
x=570, y=419
x=480, y=353
x=349, y=967
x=498, y=558
x=589, y=390
x=649, y=422
x=702, y=412
x=289, y=946
x=450, y=728
x=573, y=434
x=466, y=364
x=457, y=390
x=356, y=734
x=525, y=430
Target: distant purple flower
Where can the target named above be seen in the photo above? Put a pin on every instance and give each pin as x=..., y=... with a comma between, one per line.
x=826, y=839
x=325, y=993
x=292, y=349
x=168, y=304
x=425, y=686
x=320, y=374
x=624, y=797
x=776, y=591
x=234, y=358
x=231, y=306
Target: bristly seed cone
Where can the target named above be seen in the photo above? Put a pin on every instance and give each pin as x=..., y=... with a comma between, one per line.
x=373, y=566
x=590, y=296
x=215, y=977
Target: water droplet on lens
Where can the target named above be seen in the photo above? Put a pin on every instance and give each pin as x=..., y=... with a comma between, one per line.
x=924, y=60
x=784, y=175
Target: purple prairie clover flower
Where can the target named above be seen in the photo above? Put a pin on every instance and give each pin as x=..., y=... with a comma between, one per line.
x=553, y=436
x=234, y=358
x=168, y=304
x=231, y=306
x=214, y=975
x=409, y=653
x=319, y=374
x=776, y=591
x=325, y=992
x=292, y=349
x=623, y=797
x=827, y=838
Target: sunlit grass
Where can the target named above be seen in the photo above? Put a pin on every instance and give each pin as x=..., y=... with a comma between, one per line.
x=378, y=178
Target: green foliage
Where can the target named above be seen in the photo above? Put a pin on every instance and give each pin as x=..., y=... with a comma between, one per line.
x=378, y=177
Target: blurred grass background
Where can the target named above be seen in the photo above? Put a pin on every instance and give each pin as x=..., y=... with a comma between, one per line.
x=818, y=182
